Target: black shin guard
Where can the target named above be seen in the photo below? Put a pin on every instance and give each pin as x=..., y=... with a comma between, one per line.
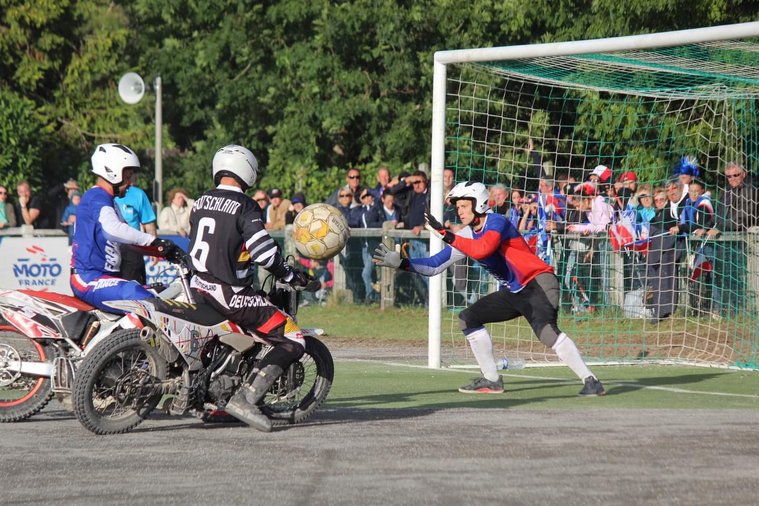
x=282, y=355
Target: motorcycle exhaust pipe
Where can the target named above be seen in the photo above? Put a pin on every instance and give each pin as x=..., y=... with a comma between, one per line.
x=148, y=335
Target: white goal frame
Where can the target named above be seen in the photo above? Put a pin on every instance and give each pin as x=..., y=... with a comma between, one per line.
x=444, y=58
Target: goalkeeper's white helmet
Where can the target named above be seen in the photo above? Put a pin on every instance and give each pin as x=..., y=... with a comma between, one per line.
x=110, y=160
x=237, y=162
x=474, y=191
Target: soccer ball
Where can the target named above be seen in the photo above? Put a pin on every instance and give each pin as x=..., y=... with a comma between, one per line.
x=320, y=231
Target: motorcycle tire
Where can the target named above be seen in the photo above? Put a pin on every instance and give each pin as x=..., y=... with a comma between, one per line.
x=104, y=391
x=301, y=389
x=21, y=395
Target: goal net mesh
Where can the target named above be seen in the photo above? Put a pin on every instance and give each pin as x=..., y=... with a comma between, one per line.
x=535, y=130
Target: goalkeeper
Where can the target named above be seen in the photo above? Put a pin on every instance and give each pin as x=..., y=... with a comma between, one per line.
x=529, y=287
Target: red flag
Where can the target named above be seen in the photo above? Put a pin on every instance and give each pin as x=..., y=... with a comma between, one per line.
x=622, y=235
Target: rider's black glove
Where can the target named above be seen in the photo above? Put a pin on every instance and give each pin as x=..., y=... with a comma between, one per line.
x=168, y=250
x=300, y=279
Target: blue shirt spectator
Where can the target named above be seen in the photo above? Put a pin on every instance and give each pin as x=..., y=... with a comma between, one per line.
x=135, y=208
x=68, y=220
x=137, y=212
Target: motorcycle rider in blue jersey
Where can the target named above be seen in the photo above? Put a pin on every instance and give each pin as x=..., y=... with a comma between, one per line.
x=100, y=230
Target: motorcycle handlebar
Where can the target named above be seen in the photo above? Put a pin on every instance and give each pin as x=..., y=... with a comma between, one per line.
x=312, y=286
x=186, y=262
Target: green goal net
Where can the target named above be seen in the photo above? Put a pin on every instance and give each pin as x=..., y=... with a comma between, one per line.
x=535, y=129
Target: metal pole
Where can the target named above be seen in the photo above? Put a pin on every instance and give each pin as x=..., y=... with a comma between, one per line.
x=158, y=182
x=437, y=160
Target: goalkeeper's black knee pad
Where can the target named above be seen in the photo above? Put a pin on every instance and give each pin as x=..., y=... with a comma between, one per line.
x=547, y=332
x=468, y=320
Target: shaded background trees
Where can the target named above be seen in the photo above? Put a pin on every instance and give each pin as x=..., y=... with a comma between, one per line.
x=311, y=86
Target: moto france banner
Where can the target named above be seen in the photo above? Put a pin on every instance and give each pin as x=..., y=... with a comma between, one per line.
x=35, y=263
x=44, y=263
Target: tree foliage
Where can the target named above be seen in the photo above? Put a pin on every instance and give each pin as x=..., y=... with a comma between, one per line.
x=311, y=86
x=20, y=155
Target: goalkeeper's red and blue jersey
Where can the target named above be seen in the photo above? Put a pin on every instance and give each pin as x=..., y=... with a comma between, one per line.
x=498, y=247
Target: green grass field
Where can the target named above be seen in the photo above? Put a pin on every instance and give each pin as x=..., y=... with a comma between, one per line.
x=375, y=384
x=367, y=384
x=367, y=322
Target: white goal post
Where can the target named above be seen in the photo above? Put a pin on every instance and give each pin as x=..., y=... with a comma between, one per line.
x=443, y=59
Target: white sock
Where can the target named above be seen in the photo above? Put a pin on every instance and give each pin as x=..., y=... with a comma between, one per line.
x=482, y=347
x=569, y=354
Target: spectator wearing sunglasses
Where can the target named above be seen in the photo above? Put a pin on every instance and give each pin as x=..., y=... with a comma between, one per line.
x=353, y=182
x=740, y=202
x=350, y=255
x=262, y=199
x=345, y=201
x=415, y=189
x=739, y=212
x=643, y=202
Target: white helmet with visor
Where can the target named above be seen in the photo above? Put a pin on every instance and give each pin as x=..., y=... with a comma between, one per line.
x=474, y=191
x=110, y=160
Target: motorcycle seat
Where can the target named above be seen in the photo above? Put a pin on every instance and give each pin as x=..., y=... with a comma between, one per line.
x=59, y=298
x=202, y=314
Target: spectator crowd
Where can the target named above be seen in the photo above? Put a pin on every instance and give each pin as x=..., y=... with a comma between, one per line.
x=663, y=233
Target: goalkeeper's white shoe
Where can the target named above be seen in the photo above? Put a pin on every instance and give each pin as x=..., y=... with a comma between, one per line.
x=592, y=388
x=483, y=385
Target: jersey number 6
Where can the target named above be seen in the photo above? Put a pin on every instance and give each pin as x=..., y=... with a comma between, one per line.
x=201, y=248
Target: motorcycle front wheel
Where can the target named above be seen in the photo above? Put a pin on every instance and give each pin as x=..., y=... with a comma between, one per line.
x=21, y=395
x=115, y=385
x=302, y=387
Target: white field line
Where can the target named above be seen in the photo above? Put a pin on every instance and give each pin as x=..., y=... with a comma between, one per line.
x=558, y=380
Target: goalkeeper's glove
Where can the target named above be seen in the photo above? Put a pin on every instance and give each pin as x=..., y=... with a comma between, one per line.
x=436, y=227
x=384, y=257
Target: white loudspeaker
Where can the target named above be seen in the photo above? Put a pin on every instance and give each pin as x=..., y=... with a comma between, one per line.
x=131, y=88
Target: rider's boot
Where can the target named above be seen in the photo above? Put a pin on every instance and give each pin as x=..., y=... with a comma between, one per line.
x=243, y=404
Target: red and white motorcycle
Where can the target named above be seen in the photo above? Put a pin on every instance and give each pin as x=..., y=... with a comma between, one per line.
x=118, y=368
x=43, y=338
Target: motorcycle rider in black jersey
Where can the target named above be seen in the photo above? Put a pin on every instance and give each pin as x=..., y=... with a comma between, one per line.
x=227, y=243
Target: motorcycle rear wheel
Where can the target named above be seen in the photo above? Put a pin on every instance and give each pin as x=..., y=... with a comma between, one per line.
x=21, y=395
x=302, y=388
x=113, y=391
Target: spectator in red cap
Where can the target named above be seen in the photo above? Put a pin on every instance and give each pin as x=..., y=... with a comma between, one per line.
x=601, y=174
x=622, y=191
x=594, y=210
x=629, y=180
